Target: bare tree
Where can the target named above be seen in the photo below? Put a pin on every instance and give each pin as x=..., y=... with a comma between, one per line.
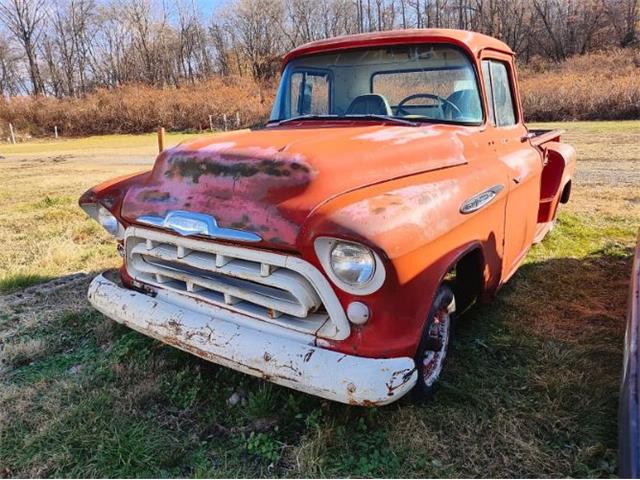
x=9, y=77
x=25, y=18
x=69, y=47
x=624, y=16
x=569, y=25
x=256, y=24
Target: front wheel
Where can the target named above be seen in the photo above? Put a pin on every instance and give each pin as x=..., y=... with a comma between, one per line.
x=432, y=350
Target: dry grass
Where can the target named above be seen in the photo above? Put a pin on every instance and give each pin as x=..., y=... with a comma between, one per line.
x=597, y=86
x=43, y=231
x=530, y=388
x=140, y=109
x=22, y=352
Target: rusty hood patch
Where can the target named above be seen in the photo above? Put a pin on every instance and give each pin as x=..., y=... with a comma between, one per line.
x=269, y=180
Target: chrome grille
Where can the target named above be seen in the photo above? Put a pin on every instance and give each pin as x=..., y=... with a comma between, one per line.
x=270, y=287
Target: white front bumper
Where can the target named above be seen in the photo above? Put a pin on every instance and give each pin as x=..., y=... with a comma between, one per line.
x=219, y=335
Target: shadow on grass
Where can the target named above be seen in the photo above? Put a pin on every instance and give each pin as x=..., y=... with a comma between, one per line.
x=530, y=389
x=18, y=281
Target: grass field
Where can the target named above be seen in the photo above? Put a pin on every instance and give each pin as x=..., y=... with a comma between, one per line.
x=530, y=388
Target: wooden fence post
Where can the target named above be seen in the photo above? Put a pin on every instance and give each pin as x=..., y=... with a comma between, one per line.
x=161, y=133
x=224, y=121
x=13, y=134
x=237, y=119
x=211, y=122
x=55, y=131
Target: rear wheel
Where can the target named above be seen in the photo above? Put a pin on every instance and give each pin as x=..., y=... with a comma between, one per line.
x=434, y=344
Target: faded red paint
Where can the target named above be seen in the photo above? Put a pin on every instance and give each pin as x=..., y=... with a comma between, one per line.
x=472, y=42
x=396, y=189
x=269, y=180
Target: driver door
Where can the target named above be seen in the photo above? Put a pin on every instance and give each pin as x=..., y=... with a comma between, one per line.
x=522, y=165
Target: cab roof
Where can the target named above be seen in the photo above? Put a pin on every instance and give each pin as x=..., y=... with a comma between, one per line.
x=473, y=42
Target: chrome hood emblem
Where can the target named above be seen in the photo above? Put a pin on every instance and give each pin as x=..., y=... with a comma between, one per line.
x=191, y=223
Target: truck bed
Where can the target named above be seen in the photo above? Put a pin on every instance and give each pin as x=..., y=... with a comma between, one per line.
x=540, y=136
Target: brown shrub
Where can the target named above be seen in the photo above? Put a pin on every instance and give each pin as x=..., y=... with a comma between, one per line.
x=141, y=108
x=598, y=86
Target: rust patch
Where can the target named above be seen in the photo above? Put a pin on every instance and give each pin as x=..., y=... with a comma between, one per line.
x=176, y=326
x=109, y=201
x=308, y=355
x=242, y=223
x=404, y=374
x=153, y=196
x=194, y=167
x=277, y=240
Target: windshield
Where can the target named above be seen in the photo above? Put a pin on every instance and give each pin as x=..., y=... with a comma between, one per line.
x=435, y=83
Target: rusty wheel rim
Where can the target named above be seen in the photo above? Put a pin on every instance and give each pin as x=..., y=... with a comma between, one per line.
x=437, y=343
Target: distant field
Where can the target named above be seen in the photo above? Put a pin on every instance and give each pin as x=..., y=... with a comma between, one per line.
x=145, y=144
x=530, y=388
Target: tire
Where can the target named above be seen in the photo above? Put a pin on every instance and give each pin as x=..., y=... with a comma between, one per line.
x=434, y=343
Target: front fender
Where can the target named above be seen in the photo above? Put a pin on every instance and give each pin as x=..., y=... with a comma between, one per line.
x=111, y=193
x=416, y=226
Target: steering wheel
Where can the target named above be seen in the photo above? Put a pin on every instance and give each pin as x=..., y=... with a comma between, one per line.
x=441, y=101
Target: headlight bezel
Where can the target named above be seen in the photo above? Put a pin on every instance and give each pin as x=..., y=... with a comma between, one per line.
x=325, y=246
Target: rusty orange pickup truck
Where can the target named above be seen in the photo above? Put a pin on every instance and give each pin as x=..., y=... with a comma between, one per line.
x=330, y=249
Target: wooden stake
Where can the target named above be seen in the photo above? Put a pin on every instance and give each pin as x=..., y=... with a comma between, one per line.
x=13, y=134
x=238, y=119
x=161, y=133
x=224, y=121
x=55, y=131
x=211, y=122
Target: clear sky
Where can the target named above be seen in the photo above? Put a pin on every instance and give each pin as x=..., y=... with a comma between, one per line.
x=208, y=6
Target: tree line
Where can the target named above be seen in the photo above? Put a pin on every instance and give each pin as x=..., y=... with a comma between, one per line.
x=67, y=48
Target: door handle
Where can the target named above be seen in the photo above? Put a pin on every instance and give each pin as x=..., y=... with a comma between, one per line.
x=517, y=179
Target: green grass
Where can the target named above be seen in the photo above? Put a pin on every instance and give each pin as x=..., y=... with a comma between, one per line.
x=18, y=281
x=515, y=400
x=530, y=388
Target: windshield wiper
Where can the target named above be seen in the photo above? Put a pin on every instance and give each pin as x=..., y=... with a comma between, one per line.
x=303, y=117
x=367, y=116
x=384, y=118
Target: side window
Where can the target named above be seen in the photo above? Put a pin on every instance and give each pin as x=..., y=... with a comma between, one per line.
x=309, y=93
x=486, y=75
x=499, y=95
x=505, y=114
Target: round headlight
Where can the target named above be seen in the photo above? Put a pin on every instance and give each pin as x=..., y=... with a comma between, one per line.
x=108, y=221
x=352, y=263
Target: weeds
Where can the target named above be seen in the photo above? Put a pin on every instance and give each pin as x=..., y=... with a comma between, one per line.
x=596, y=86
x=263, y=446
x=141, y=108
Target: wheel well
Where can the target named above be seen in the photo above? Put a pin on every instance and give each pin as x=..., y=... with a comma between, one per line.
x=466, y=279
x=566, y=193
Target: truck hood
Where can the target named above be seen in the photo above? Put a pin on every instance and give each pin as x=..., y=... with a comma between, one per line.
x=267, y=181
